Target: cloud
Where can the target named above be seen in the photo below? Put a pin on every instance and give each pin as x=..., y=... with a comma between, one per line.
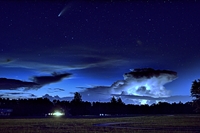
x=97, y=93
x=5, y=60
x=51, y=98
x=32, y=95
x=150, y=99
x=16, y=95
x=77, y=58
x=37, y=82
x=13, y=84
x=55, y=77
x=60, y=66
x=52, y=90
x=146, y=83
x=59, y=89
x=42, y=67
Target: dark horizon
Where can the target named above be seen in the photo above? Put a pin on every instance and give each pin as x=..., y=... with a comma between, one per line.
x=43, y=107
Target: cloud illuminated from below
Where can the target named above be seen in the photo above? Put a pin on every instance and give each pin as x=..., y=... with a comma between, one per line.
x=144, y=82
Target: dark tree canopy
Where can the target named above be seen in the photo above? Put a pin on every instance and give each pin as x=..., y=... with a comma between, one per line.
x=195, y=93
x=43, y=106
x=77, y=105
x=77, y=98
x=119, y=101
x=195, y=90
x=113, y=100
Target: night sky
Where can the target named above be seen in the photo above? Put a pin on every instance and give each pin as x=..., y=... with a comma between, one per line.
x=99, y=49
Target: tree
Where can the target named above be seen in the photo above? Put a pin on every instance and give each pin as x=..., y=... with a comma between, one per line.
x=195, y=93
x=77, y=98
x=119, y=101
x=195, y=90
x=113, y=100
x=76, y=104
x=113, y=106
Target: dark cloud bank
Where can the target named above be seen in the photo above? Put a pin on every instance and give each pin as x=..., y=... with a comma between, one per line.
x=55, y=77
x=37, y=82
x=13, y=84
x=16, y=95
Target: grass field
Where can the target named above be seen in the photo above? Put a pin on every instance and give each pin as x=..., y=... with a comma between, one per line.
x=139, y=124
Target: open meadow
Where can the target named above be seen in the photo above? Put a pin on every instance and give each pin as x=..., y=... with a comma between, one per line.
x=137, y=124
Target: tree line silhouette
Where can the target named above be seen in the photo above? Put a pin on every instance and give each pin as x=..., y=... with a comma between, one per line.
x=77, y=107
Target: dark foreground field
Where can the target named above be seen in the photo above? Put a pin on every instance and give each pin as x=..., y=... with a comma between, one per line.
x=139, y=124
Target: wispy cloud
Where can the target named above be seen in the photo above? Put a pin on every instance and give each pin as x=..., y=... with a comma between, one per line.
x=46, y=67
x=16, y=95
x=70, y=57
x=53, y=90
x=5, y=60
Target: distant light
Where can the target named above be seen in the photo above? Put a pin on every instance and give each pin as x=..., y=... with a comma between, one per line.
x=58, y=114
x=143, y=101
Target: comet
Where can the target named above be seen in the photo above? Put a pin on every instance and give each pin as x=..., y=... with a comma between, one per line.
x=59, y=14
x=67, y=7
x=63, y=10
